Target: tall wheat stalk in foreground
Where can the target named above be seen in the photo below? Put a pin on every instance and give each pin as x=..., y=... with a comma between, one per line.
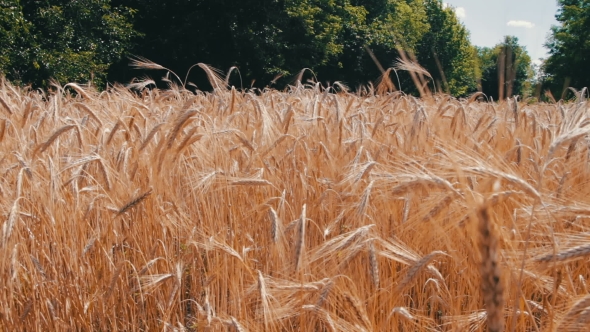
x=291, y=211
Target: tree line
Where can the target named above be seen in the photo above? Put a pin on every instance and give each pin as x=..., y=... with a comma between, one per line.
x=353, y=42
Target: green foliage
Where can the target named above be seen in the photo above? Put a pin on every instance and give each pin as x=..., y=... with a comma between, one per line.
x=316, y=29
x=569, y=48
x=509, y=63
x=268, y=38
x=15, y=38
x=445, y=51
x=64, y=40
x=270, y=41
x=399, y=23
x=263, y=38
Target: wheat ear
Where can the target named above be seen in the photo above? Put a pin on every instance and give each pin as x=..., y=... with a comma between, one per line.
x=2, y=129
x=41, y=148
x=374, y=265
x=134, y=202
x=180, y=122
x=569, y=254
x=300, y=239
x=579, y=307
x=416, y=268
x=5, y=106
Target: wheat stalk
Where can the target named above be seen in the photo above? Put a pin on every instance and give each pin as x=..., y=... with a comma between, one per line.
x=491, y=274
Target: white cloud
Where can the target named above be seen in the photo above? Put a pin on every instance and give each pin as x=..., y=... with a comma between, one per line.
x=460, y=11
x=537, y=62
x=520, y=24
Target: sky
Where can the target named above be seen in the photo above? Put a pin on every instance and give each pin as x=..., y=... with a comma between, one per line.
x=489, y=21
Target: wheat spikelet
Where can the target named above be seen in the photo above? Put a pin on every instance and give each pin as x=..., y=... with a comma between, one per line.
x=151, y=134
x=264, y=299
x=105, y=175
x=13, y=214
x=141, y=84
x=78, y=89
x=87, y=109
x=324, y=293
x=5, y=106
x=38, y=266
x=365, y=171
x=404, y=312
x=151, y=282
x=578, y=307
x=571, y=136
x=143, y=63
x=374, y=265
x=419, y=181
x=14, y=267
x=508, y=177
x=435, y=211
x=583, y=282
x=406, y=210
x=177, y=284
x=245, y=142
x=178, y=124
x=3, y=125
x=233, y=98
x=300, y=244
x=26, y=310
x=26, y=114
x=214, y=76
x=79, y=136
x=113, y=132
x=41, y=148
x=361, y=210
x=89, y=245
x=287, y=119
x=274, y=222
x=114, y=279
x=214, y=244
x=273, y=145
x=561, y=183
x=415, y=269
x=134, y=202
x=357, y=307
x=51, y=308
x=250, y=182
x=189, y=139
x=237, y=325
x=566, y=255
x=491, y=275
x=148, y=265
x=341, y=242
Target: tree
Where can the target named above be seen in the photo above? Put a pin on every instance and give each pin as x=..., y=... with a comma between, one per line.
x=505, y=69
x=65, y=40
x=569, y=48
x=16, y=40
x=446, y=52
x=338, y=39
x=389, y=26
x=263, y=38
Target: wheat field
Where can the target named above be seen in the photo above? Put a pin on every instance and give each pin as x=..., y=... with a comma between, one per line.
x=301, y=210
